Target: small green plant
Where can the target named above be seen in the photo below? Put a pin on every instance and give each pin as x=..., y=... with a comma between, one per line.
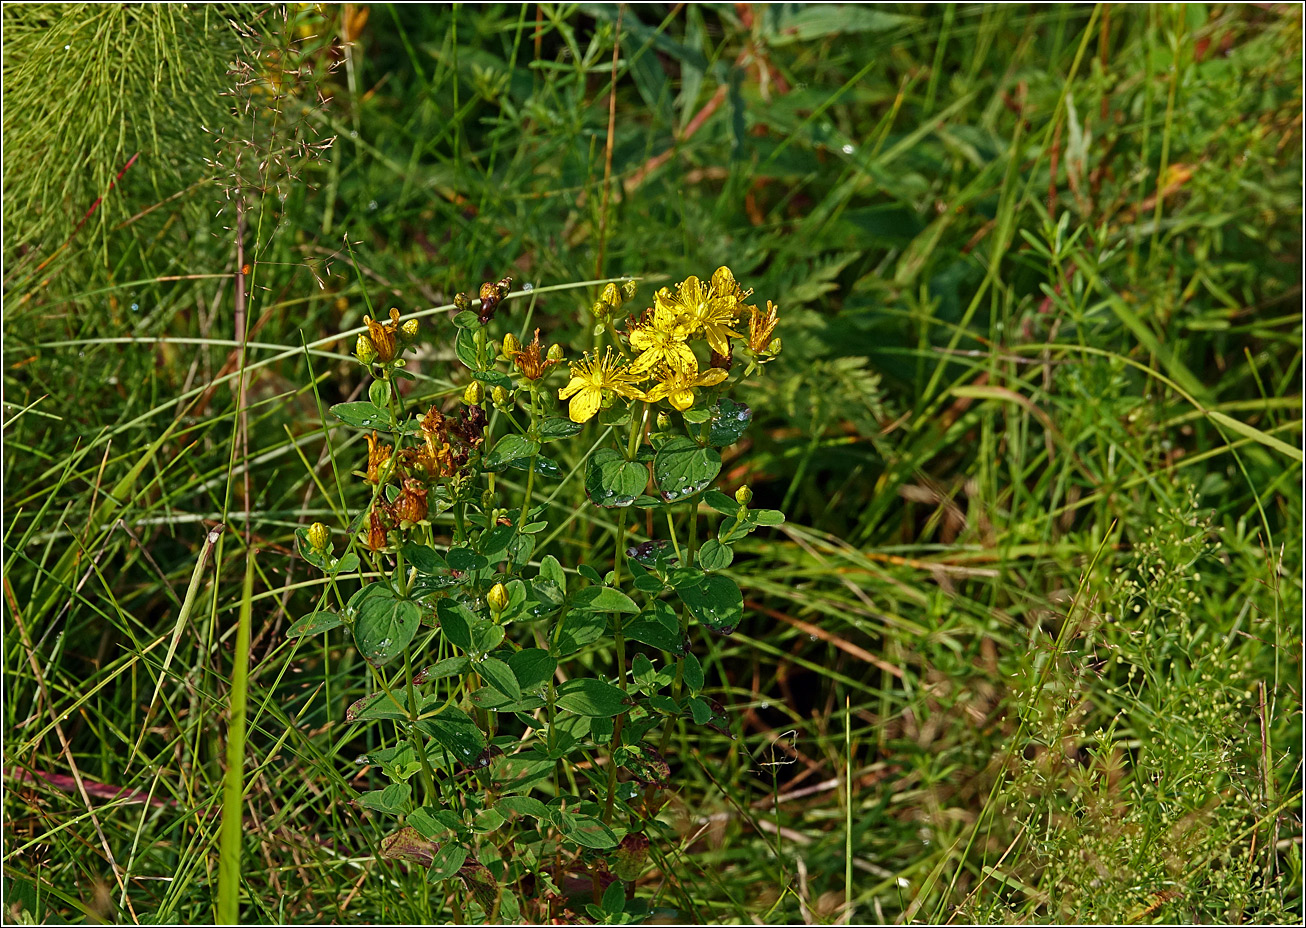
x=531, y=703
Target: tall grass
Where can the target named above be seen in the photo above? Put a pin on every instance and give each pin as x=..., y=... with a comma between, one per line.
x=1029, y=646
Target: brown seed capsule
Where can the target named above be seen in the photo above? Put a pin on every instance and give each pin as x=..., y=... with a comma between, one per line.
x=376, y=536
x=411, y=504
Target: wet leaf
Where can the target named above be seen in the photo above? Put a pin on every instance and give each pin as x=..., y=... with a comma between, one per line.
x=613, y=482
x=646, y=765
x=385, y=625
x=729, y=421
x=362, y=415
x=681, y=468
x=716, y=602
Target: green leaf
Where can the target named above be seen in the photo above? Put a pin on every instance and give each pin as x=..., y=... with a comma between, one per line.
x=507, y=449
x=545, y=467
x=552, y=571
x=656, y=625
x=493, y=379
x=456, y=732
x=729, y=421
x=717, y=603
x=553, y=429
x=464, y=346
x=465, y=559
x=579, y=629
x=585, y=830
x=681, y=468
x=362, y=416
x=315, y=623
x=467, y=320
x=715, y=556
x=423, y=557
x=446, y=862
x=456, y=622
x=648, y=765
x=613, y=482
x=393, y=800
x=379, y=394
x=385, y=625
x=523, y=805
x=721, y=503
x=821, y=20
x=590, y=697
x=614, y=897
x=449, y=667
x=766, y=516
x=603, y=599
x=500, y=676
x=693, y=672
x=533, y=667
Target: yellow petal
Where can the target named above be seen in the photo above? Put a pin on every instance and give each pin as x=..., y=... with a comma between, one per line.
x=681, y=358
x=682, y=399
x=711, y=377
x=641, y=339
x=572, y=386
x=646, y=361
x=658, y=392
x=585, y=404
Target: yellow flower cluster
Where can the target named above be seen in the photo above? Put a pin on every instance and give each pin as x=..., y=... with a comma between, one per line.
x=663, y=341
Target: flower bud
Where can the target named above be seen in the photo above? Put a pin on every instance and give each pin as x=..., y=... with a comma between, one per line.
x=364, y=350
x=555, y=353
x=628, y=290
x=511, y=347
x=319, y=537
x=743, y=496
x=410, y=329
x=773, y=349
x=461, y=302
x=474, y=395
x=499, y=396
x=612, y=296
x=600, y=310
x=497, y=598
x=664, y=421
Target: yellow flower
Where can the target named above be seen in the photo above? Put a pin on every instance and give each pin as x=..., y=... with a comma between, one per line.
x=677, y=387
x=661, y=340
x=590, y=378
x=708, y=308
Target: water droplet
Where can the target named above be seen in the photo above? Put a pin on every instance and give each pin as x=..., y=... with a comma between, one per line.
x=135, y=307
x=528, y=287
x=765, y=705
x=371, y=204
x=847, y=149
x=66, y=47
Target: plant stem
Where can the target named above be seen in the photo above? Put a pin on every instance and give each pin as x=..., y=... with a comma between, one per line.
x=233, y=795
x=414, y=736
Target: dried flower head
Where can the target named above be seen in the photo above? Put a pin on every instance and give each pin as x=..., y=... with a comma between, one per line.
x=378, y=453
x=531, y=362
x=411, y=505
x=761, y=325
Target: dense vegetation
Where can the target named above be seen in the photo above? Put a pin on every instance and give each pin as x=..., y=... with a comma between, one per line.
x=1029, y=644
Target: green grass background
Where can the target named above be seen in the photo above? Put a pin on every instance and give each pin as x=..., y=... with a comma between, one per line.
x=1029, y=646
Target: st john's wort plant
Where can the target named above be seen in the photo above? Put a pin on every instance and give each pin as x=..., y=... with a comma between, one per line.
x=521, y=760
